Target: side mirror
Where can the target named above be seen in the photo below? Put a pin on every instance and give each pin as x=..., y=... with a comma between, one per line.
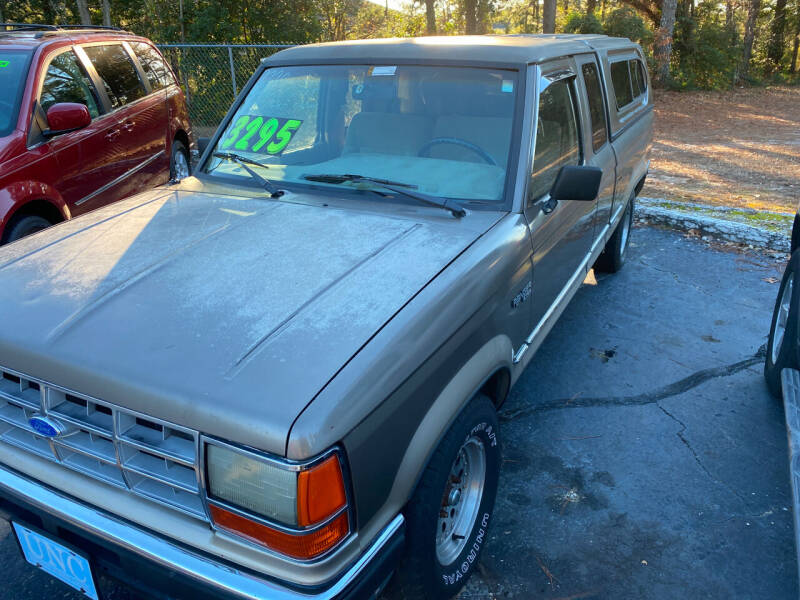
x=65, y=117
x=202, y=144
x=577, y=183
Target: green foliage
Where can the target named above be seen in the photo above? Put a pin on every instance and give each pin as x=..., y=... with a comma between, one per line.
x=707, y=41
x=625, y=22
x=704, y=55
x=578, y=22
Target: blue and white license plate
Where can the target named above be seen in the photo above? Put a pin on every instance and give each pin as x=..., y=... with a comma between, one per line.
x=57, y=560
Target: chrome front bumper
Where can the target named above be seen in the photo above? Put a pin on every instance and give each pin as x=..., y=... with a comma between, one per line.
x=217, y=577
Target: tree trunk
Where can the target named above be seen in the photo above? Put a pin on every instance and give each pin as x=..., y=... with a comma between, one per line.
x=430, y=17
x=777, y=30
x=107, y=13
x=590, y=6
x=662, y=44
x=83, y=11
x=794, y=52
x=471, y=16
x=730, y=21
x=749, y=34
x=549, y=16
x=536, y=16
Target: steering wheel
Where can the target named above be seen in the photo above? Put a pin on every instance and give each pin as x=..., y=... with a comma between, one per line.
x=457, y=142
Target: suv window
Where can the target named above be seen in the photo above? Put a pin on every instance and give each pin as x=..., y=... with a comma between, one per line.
x=67, y=81
x=629, y=81
x=154, y=67
x=557, y=141
x=13, y=75
x=118, y=73
x=596, y=112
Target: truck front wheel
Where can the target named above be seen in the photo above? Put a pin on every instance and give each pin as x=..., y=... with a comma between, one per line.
x=447, y=519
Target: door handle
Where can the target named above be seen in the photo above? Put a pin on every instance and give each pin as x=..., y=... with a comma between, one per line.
x=129, y=125
x=112, y=134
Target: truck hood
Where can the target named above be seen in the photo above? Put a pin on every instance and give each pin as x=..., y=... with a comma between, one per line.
x=220, y=313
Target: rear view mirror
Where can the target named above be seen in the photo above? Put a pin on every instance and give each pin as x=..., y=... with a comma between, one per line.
x=577, y=183
x=65, y=117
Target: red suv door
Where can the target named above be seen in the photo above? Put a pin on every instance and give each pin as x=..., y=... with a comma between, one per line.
x=135, y=135
x=80, y=170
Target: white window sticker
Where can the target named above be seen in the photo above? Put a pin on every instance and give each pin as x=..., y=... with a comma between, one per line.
x=378, y=71
x=508, y=86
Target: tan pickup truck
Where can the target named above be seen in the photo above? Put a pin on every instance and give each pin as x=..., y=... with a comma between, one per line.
x=279, y=378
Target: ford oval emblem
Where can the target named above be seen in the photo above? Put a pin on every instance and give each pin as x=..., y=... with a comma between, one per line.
x=45, y=426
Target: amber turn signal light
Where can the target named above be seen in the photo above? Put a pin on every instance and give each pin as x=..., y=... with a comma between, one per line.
x=297, y=545
x=320, y=492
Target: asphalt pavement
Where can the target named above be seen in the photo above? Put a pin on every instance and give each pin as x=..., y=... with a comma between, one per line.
x=643, y=455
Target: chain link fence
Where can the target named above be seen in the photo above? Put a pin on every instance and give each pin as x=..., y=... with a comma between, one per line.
x=211, y=76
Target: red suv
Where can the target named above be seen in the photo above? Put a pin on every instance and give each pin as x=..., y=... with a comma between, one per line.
x=87, y=117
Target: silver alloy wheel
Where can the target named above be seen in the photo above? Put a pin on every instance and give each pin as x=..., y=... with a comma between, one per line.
x=461, y=500
x=626, y=228
x=180, y=166
x=781, y=319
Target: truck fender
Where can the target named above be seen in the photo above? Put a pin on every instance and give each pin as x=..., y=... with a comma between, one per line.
x=493, y=355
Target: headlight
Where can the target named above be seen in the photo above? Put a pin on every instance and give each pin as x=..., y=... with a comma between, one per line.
x=297, y=509
x=252, y=484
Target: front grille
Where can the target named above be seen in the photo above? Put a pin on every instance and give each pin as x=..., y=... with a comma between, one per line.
x=147, y=456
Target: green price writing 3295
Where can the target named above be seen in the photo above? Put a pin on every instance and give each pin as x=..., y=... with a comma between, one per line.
x=3, y=63
x=257, y=133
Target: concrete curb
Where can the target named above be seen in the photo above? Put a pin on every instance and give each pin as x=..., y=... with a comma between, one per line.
x=691, y=218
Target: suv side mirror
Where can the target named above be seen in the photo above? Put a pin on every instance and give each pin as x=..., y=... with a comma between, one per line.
x=65, y=117
x=577, y=183
x=202, y=144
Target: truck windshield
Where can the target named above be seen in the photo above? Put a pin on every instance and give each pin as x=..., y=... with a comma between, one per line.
x=13, y=74
x=442, y=131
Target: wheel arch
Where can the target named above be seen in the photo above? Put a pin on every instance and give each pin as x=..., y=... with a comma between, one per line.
x=488, y=372
x=55, y=212
x=182, y=137
x=639, y=185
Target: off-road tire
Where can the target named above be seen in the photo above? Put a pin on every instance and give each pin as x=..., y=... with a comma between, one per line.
x=24, y=225
x=787, y=355
x=179, y=151
x=613, y=256
x=421, y=575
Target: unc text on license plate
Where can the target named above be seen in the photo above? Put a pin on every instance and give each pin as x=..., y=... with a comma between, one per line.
x=57, y=560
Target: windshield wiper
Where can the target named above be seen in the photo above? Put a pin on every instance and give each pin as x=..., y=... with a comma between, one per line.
x=243, y=162
x=404, y=189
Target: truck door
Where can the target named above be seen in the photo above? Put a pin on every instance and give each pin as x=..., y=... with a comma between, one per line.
x=599, y=152
x=562, y=232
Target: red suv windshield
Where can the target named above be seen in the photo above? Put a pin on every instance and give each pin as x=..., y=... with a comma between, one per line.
x=13, y=74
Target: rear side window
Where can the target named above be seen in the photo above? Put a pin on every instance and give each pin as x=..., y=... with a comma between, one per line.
x=154, y=67
x=557, y=142
x=596, y=111
x=66, y=81
x=638, y=79
x=118, y=73
x=622, y=83
x=629, y=81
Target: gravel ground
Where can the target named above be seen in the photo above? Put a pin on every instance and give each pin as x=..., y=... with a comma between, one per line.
x=737, y=148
